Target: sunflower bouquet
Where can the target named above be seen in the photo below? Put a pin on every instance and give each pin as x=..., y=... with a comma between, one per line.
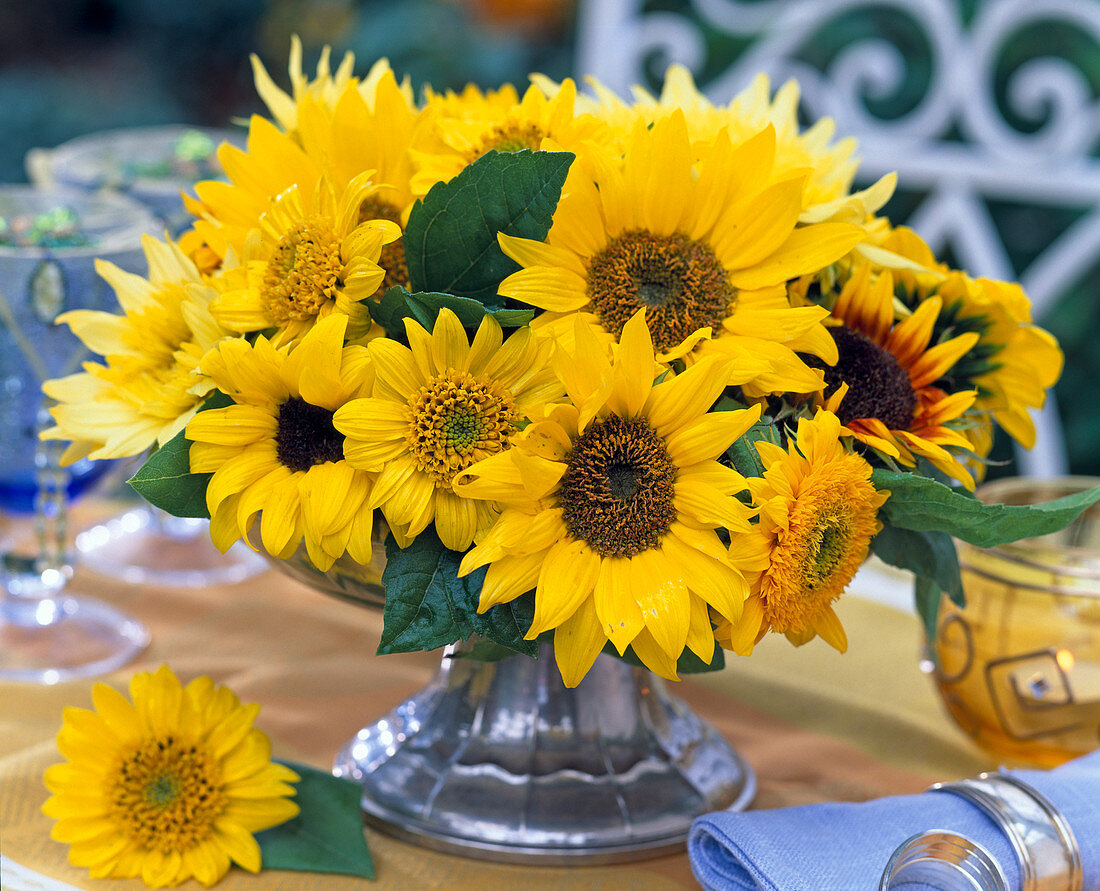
x=641, y=376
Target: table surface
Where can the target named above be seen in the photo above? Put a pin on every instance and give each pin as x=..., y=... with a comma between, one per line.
x=816, y=725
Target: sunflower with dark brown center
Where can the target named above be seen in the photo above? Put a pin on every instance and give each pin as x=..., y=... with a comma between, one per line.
x=890, y=387
x=611, y=506
x=702, y=246
x=275, y=449
x=679, y=281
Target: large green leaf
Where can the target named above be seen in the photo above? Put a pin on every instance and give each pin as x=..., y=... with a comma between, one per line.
x=429, y=606
x=165, y=479
x=398, y=304
x=451, y=238
x=919, y=503
x=928, y=554
x=327, y=836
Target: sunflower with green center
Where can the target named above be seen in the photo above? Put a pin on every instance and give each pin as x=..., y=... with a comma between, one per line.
x=612, y=502
x=314, y=258
x=275, y=449
x=437, y=407
x=888, y=386
x=1011, y=365
x=705, y=253
x=466, y=125
x=818, y=513
x=148, y=388
x=168, y=787
x=832, y=165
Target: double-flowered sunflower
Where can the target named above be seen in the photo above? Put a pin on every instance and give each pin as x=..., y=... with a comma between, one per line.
x=818, y=513
x=275, y=449
x=890, y=385
x=315, y=256
x=168, y=787
x=704, y=250
x=438, y=406
x=147, y=389
x=612, y=502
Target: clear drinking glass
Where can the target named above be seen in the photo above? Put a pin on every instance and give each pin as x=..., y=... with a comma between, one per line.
x=48, y=632
x=144, y=545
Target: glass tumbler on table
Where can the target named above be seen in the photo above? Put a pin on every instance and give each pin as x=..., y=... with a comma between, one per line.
x=49, y=240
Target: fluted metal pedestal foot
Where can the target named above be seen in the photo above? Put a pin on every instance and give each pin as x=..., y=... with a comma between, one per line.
x=500, y=761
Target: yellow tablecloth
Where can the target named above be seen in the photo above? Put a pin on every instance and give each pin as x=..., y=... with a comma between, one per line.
x=814, y=724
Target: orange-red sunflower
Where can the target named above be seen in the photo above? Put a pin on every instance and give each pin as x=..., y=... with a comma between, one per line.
x=891, y=385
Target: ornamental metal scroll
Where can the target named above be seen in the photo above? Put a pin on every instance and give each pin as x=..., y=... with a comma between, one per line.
x=970, y=102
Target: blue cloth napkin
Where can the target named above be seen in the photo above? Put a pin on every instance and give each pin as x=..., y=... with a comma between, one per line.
x=845, y=847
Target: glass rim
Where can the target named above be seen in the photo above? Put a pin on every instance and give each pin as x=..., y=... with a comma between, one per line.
x=134, y=221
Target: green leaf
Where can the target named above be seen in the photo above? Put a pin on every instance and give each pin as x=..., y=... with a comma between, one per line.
x=165, y=479
x=429, y=606
x=425, y=307
x=925, y=505
x=390, y=310
x=928, y=554
x=927, y=596
x=327, y=836
x=451, y=238
x=688, y=663
x=398, y=304
x=743, y=454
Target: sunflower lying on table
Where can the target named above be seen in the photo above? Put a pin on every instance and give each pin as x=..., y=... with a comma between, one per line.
x=650, y=376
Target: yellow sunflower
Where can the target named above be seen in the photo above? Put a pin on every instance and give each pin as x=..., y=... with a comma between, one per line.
x=315, y=257
x=887, y=385
x=370, y=130
x=467, y=125
x=326, y=86
x=1012, y=364
x=818, y=513
x=148, y=387
x=275, y=449
x=436, y=409
x=169, y=787
x=706, y=255
x=831, y=165
x=227, y=212
x=611, y=506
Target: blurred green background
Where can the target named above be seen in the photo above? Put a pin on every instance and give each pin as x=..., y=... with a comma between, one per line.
x=69, y=67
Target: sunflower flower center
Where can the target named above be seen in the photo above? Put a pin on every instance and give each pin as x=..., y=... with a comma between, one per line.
x=393, y=254
x=167, y=794
x=878, y=387
x=456, y=420
x=305, y=435
x=679, y=281
x=303, y=272
x=828, y=545
x=511, y=137
x=617, y=491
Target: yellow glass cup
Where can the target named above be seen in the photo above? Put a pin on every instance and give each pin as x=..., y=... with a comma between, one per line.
x=1019, y=666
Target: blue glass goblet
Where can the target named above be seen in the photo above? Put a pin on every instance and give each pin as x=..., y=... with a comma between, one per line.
x=49, y=240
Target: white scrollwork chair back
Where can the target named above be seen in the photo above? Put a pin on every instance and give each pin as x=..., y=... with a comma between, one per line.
x=959, y=143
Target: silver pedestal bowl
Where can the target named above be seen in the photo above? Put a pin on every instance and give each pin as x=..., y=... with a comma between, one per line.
x=501, y=761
